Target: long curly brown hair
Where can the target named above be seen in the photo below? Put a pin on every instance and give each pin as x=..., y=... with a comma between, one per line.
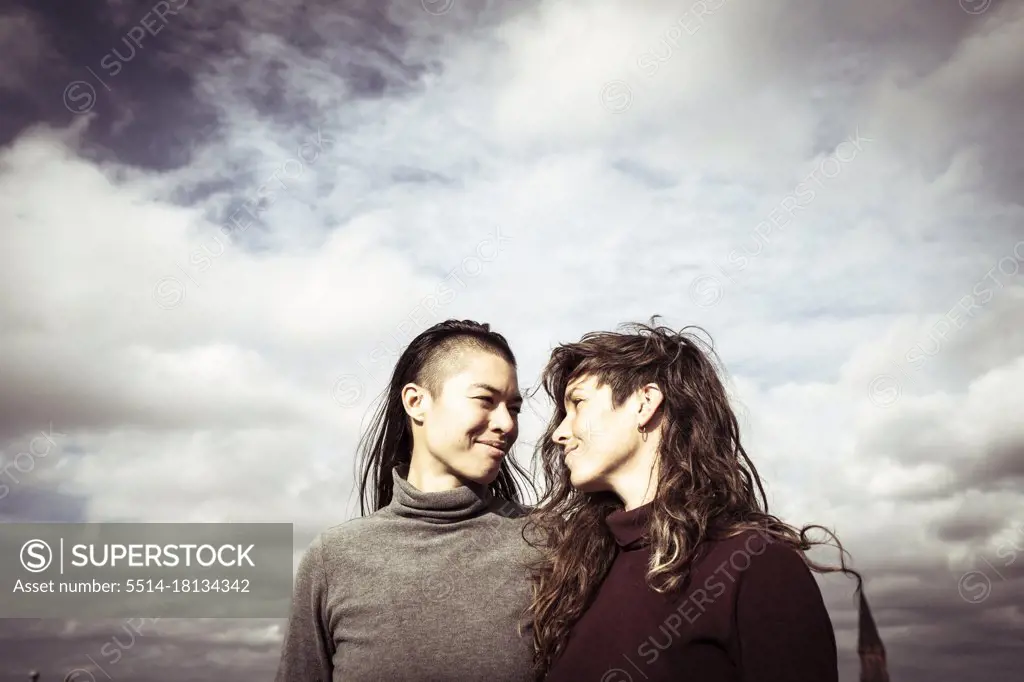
x=707, y=489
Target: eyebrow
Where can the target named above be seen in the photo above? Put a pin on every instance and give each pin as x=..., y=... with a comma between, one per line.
x=487, y=387
x=570, y=393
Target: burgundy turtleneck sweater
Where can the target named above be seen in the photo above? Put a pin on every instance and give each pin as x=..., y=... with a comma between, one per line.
x=751, y=612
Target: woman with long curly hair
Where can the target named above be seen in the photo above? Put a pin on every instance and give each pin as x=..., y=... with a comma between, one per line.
x=430, y=582
x=661, y=561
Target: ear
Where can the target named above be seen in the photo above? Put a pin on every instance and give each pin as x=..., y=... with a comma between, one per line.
x=650, y=399
x=415, y=400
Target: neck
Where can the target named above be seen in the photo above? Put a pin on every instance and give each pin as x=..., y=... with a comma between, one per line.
x=428, y=475
x=442, y=506
x=638, y=484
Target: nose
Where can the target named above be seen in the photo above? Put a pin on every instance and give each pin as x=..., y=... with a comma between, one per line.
x=503, y=420
x=562, y=433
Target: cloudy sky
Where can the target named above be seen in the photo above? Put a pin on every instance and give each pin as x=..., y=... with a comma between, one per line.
x=218, y=221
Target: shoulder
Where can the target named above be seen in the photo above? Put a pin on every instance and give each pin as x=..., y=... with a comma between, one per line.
x=754, y=547
x=352, y=536
x=755, y=559
x=351, y=530
x=774, y=558
x=780, y=617
x=769, y=575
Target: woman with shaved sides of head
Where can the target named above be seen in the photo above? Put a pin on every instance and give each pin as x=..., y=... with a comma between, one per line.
x=662, y=561
x=431, y=582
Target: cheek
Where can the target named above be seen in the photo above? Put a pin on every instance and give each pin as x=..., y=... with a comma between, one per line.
x=448, y=431
x=457, y=423
x=607, y=441
x=580, y=425
x=591, y=428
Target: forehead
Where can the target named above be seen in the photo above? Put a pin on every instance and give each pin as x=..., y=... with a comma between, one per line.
x=477, y=366
x=585, y=382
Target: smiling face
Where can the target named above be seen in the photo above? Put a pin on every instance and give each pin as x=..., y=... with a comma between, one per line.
x=599, y=440
x=473, y=421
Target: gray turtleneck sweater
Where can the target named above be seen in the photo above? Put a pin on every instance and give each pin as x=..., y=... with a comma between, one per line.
x=428, y=588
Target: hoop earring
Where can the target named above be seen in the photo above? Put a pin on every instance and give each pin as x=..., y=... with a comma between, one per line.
x=643, y=432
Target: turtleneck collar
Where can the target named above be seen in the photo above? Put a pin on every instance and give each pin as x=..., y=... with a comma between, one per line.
x=629, y=526
x=447, y=506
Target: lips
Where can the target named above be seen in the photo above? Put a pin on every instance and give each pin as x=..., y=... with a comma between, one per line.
x=497, y=447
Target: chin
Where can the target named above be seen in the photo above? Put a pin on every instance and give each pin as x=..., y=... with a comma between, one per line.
x=485, y=475
x=587, y=482
x=581, y=482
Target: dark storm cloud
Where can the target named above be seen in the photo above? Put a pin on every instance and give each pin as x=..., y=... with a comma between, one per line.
x=136, y=68
x=998, y=466
x=1004, y=463
x=24, y=501
x=96, y=66
x=962, y=527
x=912, y=41
x=936, y=621
x=104, y=401
x=137, y=649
